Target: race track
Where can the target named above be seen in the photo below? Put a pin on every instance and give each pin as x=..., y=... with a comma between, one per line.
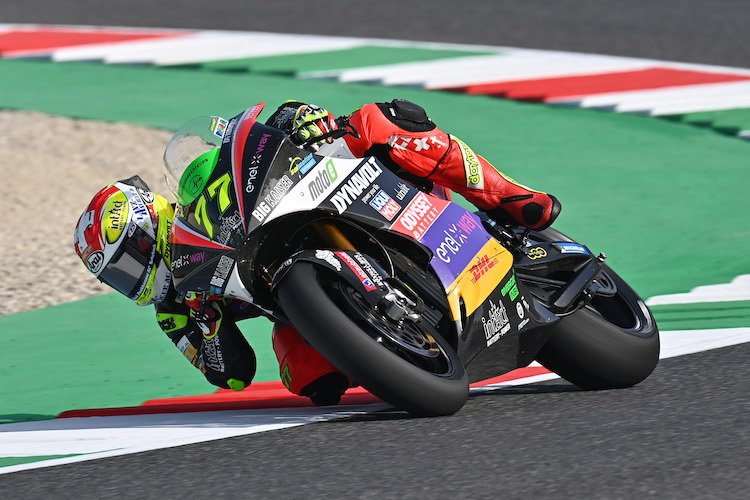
x=683, y=433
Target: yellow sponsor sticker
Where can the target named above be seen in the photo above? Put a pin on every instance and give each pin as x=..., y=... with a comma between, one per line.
x=537, y=253
x=480, y=278
x=472, y=167
x=115, y=217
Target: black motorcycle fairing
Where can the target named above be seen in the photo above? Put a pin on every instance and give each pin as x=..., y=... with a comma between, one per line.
x=362, y=272
x=504, y=333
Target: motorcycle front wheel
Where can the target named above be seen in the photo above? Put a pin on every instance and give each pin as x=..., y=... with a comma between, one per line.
x=409, y=365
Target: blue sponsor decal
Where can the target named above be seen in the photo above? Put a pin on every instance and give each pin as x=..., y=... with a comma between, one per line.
x=571, y=248
x=308, y=163
x=380, y=200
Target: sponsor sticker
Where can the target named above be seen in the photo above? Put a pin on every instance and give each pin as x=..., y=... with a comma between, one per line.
x=455, y=239
x=218, y=126
x=252, y=170
x=571, y=248
x=95, y=262
x=483, y=265
x=273, y=198
x=357, y=183
x=366, y=281
x=496, y=324
x=510, y=288
x=472, y=167
x=221, y=272
x=307, y=163
x=384, y=204
x=327, y=256
x=115, y=217
x=323, y=180
x=536, y=253
x=419, y=215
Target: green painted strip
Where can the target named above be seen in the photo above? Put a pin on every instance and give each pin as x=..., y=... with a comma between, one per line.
x=730, y=121
x=100, y=352
x=703, y=315
x=8, y=461
x=357, y=57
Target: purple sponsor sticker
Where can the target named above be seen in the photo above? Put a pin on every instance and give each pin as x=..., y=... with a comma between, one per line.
x=454, y=238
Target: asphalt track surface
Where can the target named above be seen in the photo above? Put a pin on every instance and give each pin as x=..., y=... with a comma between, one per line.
x=683, y=433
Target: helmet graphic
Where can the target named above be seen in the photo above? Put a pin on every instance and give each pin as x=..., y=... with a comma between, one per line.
x=123, y=239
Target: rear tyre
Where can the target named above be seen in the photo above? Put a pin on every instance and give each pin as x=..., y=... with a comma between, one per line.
x=410, y=367
x=612, y=343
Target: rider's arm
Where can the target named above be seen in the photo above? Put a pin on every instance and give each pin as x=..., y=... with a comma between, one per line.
x=209, y=339
x=174, y=320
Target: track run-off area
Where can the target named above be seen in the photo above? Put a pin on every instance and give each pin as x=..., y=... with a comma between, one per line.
x=649, y=159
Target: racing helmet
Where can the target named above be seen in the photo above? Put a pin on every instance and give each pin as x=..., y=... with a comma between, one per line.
x=123, y=239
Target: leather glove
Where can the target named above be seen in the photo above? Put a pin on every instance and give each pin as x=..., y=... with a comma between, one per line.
x=311, y=121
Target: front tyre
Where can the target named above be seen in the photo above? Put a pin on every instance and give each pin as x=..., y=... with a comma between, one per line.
x=409, y=367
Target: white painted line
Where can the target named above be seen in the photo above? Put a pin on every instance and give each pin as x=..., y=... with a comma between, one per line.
x=101, y=437
x=205, y=46
x=681, y=342
x=555, y=67
x=737, y=289
x=220, y=46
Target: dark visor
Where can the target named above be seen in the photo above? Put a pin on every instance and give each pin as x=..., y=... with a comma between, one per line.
x=128, y=268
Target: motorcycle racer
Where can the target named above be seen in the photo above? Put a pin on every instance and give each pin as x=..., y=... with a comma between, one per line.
x=123, y=239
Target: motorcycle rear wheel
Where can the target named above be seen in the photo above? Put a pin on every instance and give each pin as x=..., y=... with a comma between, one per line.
x=415, y=370
x=611, y=343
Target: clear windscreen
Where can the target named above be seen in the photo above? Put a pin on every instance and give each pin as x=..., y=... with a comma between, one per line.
x=195, y=138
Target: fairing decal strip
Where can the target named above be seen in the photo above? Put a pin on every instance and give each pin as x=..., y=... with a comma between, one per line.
x=182, y=234
x=246, y=122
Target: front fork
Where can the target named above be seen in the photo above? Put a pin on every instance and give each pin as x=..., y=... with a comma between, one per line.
x=400, y=303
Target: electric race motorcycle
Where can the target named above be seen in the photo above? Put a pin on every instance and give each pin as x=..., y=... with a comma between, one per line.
x=406, y=292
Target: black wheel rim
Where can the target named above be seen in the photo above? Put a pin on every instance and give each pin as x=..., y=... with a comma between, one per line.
x=409, y=341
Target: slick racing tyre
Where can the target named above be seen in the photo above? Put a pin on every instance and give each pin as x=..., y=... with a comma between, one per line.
x=409, y=366
x=611, y=343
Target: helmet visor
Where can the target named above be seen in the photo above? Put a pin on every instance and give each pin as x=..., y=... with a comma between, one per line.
x=128, y=269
